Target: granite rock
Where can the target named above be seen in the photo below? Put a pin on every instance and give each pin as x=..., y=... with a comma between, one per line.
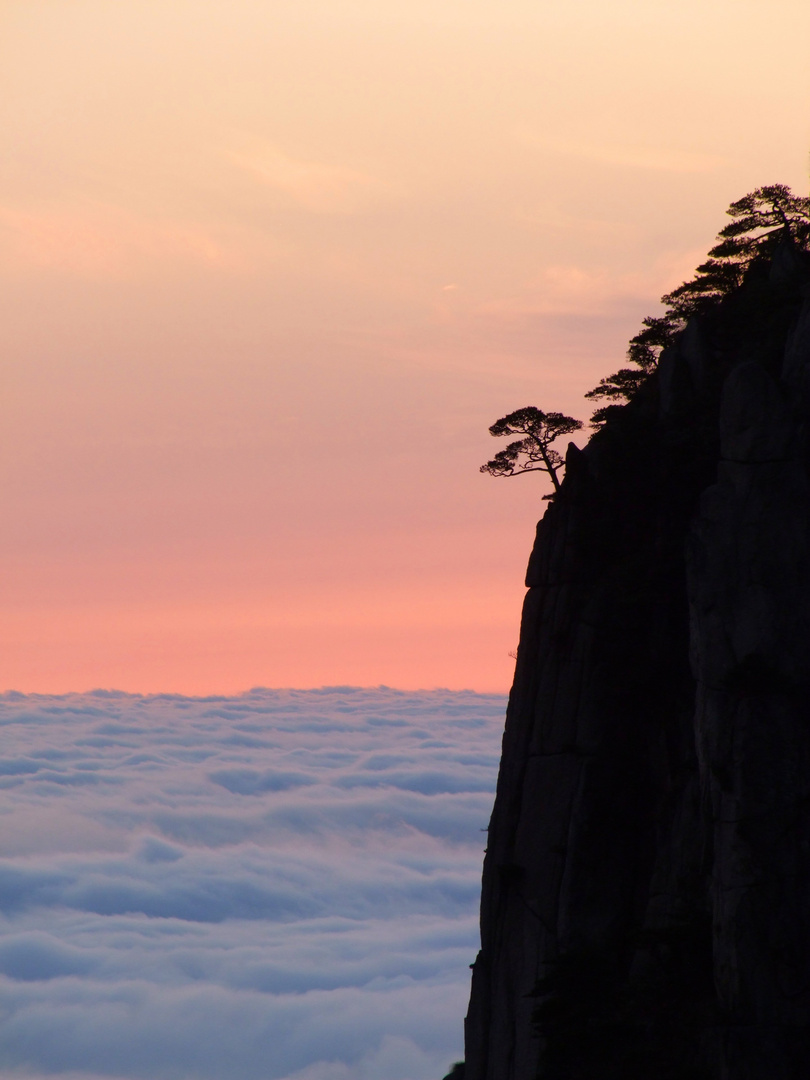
x=646, y=892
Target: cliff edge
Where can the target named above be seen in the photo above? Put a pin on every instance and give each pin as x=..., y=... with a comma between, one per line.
x=646, y=891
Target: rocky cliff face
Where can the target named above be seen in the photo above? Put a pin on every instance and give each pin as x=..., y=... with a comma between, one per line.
x=646, y=894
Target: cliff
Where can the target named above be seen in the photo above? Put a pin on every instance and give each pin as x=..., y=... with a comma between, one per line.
x=646, y=892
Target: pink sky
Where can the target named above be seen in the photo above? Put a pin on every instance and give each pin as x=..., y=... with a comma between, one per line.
x=268, y=272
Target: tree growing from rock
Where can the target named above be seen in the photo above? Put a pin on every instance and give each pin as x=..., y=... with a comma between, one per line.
x=761, y=221
x=533, y=452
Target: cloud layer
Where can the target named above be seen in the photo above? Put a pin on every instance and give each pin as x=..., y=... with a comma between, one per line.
x=278, y=885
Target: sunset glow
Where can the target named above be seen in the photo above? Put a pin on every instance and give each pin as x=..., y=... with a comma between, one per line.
x=269, y=271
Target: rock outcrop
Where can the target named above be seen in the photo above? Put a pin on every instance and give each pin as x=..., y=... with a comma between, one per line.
x=646, y=895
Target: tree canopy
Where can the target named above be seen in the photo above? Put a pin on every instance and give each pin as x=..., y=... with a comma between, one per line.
x=761, y=221
x=534, y=452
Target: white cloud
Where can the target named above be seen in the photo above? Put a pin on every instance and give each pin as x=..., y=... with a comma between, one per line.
x=281, y=885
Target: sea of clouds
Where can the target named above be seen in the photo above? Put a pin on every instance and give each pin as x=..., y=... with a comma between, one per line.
x=278, y=885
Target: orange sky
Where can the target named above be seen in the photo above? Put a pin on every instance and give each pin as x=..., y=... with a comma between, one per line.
x=269, y=270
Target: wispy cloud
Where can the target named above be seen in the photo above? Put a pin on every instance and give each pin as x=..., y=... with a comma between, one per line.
x=571, y=289
x=93, y=239
x=657, y=158
x=317, y=186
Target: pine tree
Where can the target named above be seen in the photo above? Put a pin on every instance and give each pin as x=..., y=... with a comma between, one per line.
x=534, y=452
x=761, y=221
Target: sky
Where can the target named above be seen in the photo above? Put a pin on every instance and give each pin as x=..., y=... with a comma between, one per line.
x=268, y=272
x=281, y=885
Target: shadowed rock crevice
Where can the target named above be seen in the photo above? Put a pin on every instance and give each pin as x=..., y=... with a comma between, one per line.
x=646, y=896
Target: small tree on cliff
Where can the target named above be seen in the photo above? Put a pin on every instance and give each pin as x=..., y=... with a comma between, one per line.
x=534, y=452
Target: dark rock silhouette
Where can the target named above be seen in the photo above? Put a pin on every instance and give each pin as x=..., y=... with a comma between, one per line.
x=646, y=895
